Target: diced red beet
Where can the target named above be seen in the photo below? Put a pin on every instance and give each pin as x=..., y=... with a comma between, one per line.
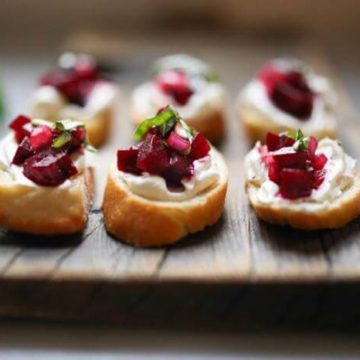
x=295, y=159
x=179, y=168
x=178, y=143
x=126, y=161
x=312, y=146
x=319, y=176
x=319, y=161
x=276, y=142
x=21, y=126
x=199, y=147
x=47, y=169
x=85, y=67
x=41, y=138
x=295, y=183
x=289, y=91
x=78, y=137
x=274, y=171
x=176, y=84
x=23, y=152
x=153, y=156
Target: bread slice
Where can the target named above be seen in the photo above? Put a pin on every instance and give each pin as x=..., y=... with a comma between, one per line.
x=211, y=126
x=257, y=125
x=337, y=214
x=45, y=210
x=98, y=127
x=142, y=222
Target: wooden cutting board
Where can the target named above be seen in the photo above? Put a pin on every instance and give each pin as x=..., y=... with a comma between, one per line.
x=60, y=277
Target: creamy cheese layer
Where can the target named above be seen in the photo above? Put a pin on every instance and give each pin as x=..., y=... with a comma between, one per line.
x=339, y=176
x=207, y=99
x=152, y=187
x=48, y=103
x=8, y=148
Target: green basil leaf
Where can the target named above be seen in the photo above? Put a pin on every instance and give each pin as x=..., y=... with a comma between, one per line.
x=164, y=121
x=61, y=140
x=66, y=125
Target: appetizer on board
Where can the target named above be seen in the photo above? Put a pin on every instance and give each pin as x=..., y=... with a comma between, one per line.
x=191, y=86
x=287, y=95
x=77, y=89
x=296, y=180
x=45, y=183
x=169, y=185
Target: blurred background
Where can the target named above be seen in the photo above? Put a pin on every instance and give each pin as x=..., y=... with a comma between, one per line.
x=131, y=34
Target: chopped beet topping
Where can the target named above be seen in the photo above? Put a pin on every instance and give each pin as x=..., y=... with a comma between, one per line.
x=175, y=83
x=168, y=149
x=44, y=151
x=49, y=169
x=76, y=82
x=21, y=126
x=293, y=164
x=289, y=91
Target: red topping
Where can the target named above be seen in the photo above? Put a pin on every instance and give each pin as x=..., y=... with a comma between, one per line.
x=126, y=161
x=178, y=143
x=176, y=84
x=199, y=148
x=164, y=157
x=21, y=126
x=41, y=138
x=23, y=152
x=78, y=138
x=49, y=169
x=75, y=83
x=297, y=172
x=275, y=142
x=289, y=91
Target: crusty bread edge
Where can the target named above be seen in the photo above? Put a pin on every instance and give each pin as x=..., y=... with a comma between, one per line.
x=63, y=223
x=256, y=125
x=339, y=212
x=146, y=223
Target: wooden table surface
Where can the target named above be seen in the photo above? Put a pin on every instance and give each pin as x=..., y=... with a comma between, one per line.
x=93, y=272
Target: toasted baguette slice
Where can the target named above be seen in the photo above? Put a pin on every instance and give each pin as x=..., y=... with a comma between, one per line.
x=212, y=126
x=337, y=214
x=145, y=223
x=257, y=125
x=98, y=127
x=45, y=210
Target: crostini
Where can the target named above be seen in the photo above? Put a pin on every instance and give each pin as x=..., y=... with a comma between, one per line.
x=171, y=184
x=45, y=183
x=286, y=95
x=191, y=87
x=294, y=180
x=77, y=89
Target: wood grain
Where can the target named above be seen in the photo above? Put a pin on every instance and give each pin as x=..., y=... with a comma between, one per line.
x=40, y=276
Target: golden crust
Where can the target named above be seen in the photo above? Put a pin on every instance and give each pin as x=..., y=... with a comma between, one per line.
x=98, y=127
x=46, y=211
x=337, y=214
x=256, y=125
x=212, y=127
x=145, y=223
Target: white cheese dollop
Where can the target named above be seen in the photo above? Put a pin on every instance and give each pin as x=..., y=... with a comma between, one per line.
x=206, y=174
x=339, y=176
x=208, y=98
x=8, y=147
x=48, y=103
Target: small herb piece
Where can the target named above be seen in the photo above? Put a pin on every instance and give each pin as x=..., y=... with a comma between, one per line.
x=61, y=140
x=89, y=147
x=165, y=121
x=66, y=125
x=301, y=141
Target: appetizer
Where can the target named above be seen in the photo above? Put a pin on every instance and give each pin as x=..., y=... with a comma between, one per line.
x=45, y=184
x=191, y=87
x=171, y=184
x=77, y=90
x=294, y=180
x=287, y=95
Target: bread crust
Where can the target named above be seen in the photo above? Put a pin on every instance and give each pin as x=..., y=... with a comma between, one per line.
x=146, y=223
x=98, y=127
x=46, y=211
x=339, y=212
x=211, y=126
x=256, y=125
